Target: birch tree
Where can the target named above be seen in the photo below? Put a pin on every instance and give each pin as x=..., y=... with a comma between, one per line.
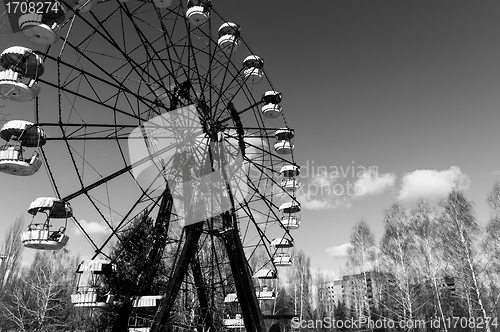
x=360, y=260
x=397, y=257
x=460, y=229
x=491, y=249
x=300, y=284
x=10, y=262
x=324, y=301
x=11, y=250
x=429, y=253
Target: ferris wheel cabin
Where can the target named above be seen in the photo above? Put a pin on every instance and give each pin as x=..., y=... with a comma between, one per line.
x=15, y=87
x=284, y=138
x=229, y=36
x=281, y=243
x=198, y=11
x=18, y=82
x=89, y=292
x=234, y=323
x=231, y=298
x=40, y=235
x=91, y=297
x=265, y=274
x=289, y=182
x=43, y=28
x=282, y=259
x=22, y=134
x=141, y=321
x=237, y=322
x=253, y=68
x=23, y=61
x=266, y=294
x=271, y=108
x=289, y=219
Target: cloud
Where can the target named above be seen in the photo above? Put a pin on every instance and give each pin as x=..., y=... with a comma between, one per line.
x=91, y=227
x=371, y=182
x=322, y=192
x=338, y=251
x=431, y=184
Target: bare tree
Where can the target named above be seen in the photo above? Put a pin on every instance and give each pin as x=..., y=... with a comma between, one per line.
x=40, y=300
x=11, y=250
x=429, y=254
x=301, y=283
x=459, y=231
x=324, y=299
x=361, y=257
x=397, y=258
x=10, y=262
x=491, y=249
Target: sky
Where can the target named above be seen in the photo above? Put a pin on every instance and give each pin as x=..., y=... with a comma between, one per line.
x=398, y=99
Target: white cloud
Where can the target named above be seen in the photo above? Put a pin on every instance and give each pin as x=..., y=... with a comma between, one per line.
x=91, y=227
x=373, y=183
x=338, y=251
x=432, y=184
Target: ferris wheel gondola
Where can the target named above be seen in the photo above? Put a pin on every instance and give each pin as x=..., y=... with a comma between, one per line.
x=22, y=60
x=229, y=37
x=289, y=180
x=20, y=134
x=41, y=235
x=89, y=290
x=19, y=80
x=43, y=27
x=282, y=256
x=253, y=66
x=290, y=218
x=284, y=140
x=272, y=107
x=142, y=317
x=198, y=11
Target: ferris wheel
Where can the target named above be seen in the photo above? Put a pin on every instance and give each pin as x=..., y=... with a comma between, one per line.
x=161, y=109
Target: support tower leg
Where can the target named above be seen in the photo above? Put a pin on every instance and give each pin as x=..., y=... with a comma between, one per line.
x=252, y=316
x=193, y=233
